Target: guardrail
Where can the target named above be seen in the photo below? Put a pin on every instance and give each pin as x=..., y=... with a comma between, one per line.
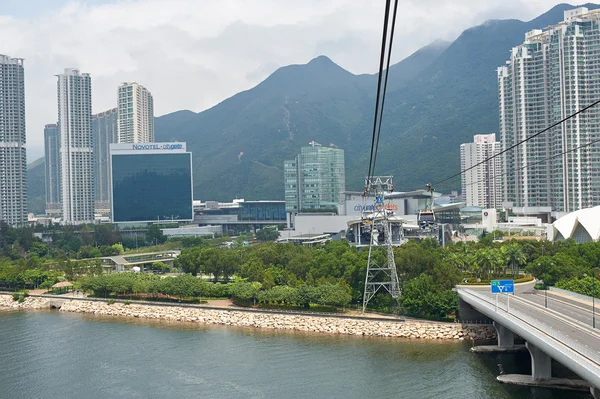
x=481, y=322
x=539, y=325
x=572, y=294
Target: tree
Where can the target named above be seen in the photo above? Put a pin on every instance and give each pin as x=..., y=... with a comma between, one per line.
x=307, y=294
x=155, y=235
x=488, y=260
x=333, y=295
x=514, y=256
x=210, y=262
x=189, y=261
x=105, y=234
x=422, y=298
x=267, y=234
x=253, y=269
x=558, y=267
x=244, y=290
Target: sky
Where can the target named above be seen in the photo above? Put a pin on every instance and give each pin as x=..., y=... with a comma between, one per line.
x=193, y=54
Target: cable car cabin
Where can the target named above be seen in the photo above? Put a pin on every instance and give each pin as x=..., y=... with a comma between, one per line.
x=426, y=219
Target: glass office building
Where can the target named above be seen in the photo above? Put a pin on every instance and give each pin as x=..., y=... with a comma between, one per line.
x=250, y=211
x=315, y=179
x=151, y=182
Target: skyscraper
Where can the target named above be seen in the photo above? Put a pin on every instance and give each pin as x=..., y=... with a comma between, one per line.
x=104, y=133
x=482, y=185
x=13, y=157
x=553, y=74
x=52, y=163
x=315, y=179
x=136, y=114
x=76, y=152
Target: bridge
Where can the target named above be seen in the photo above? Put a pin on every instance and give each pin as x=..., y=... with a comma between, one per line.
x=553, y=327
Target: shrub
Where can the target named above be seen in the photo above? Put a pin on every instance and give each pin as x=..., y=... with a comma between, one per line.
x=111, y=302
x=16, y=296
x=127, y=302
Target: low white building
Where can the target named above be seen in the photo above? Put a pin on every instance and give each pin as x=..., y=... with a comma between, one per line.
x=582, y=226
x=193, y=231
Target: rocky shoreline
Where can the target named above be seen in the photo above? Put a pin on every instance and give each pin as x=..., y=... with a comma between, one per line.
x=332, y=325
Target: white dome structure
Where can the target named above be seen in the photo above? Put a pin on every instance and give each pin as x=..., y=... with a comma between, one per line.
x=582, y=226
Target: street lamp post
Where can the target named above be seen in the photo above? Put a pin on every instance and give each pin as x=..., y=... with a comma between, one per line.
x=593, y=299
x=546, y=286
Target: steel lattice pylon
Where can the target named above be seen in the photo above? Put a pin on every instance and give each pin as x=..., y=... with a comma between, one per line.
x=384, y=276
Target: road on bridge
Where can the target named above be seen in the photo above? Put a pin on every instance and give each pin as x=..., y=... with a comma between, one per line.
x=564, y=316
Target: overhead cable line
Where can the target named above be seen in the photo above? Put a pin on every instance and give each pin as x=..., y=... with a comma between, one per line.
x=520, y=142
x=387, y=73
x=381, y=62
x=535, y=163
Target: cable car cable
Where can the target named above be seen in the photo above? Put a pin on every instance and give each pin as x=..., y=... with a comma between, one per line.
x=387, y=73
x=520, y=142
x=535, y=163
x=381, y=62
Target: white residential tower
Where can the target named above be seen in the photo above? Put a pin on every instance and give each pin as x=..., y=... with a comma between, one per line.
x=13, y=159
x=549, y=77
x=136, y=114
x=482, y=185
x=76, y=150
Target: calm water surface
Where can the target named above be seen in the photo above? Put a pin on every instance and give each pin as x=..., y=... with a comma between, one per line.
x=54, y=354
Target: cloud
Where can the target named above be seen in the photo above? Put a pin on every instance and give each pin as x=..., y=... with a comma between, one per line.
x=193, y=54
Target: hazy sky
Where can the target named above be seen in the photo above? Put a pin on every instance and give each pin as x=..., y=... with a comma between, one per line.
x=192, y=54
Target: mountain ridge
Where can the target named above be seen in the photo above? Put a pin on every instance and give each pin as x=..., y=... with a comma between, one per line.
x=438, y=97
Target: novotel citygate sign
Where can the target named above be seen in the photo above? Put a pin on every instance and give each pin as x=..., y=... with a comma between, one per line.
x=158, y=146
x=367, y=208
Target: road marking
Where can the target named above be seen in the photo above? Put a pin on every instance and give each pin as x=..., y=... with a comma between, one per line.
x=578, y=325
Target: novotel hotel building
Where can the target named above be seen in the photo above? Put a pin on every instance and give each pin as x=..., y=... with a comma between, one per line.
x=151, y=182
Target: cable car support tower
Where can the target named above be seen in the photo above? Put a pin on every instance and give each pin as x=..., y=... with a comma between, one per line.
x=379, y=277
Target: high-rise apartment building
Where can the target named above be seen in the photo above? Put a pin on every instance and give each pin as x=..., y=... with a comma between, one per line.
x=76, y=151
x=13, y=157
x=316, y=179
x=104, y=133
x=52, y=164
x=136, y=114
x=552, y=75
x=482, y=185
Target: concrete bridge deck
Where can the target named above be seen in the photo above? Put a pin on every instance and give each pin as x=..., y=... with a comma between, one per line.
x=561, y=331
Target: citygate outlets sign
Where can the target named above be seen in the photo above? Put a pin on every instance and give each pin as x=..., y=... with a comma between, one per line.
x=371, y=208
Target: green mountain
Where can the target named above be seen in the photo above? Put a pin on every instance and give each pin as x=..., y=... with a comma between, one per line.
x=438, y=98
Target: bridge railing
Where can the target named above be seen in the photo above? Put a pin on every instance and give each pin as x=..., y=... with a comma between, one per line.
x=539, y=325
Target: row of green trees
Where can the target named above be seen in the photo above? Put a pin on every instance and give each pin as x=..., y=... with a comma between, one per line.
x=427, y=271
x=585, y=285
x=188, y=287
x=129, y=284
